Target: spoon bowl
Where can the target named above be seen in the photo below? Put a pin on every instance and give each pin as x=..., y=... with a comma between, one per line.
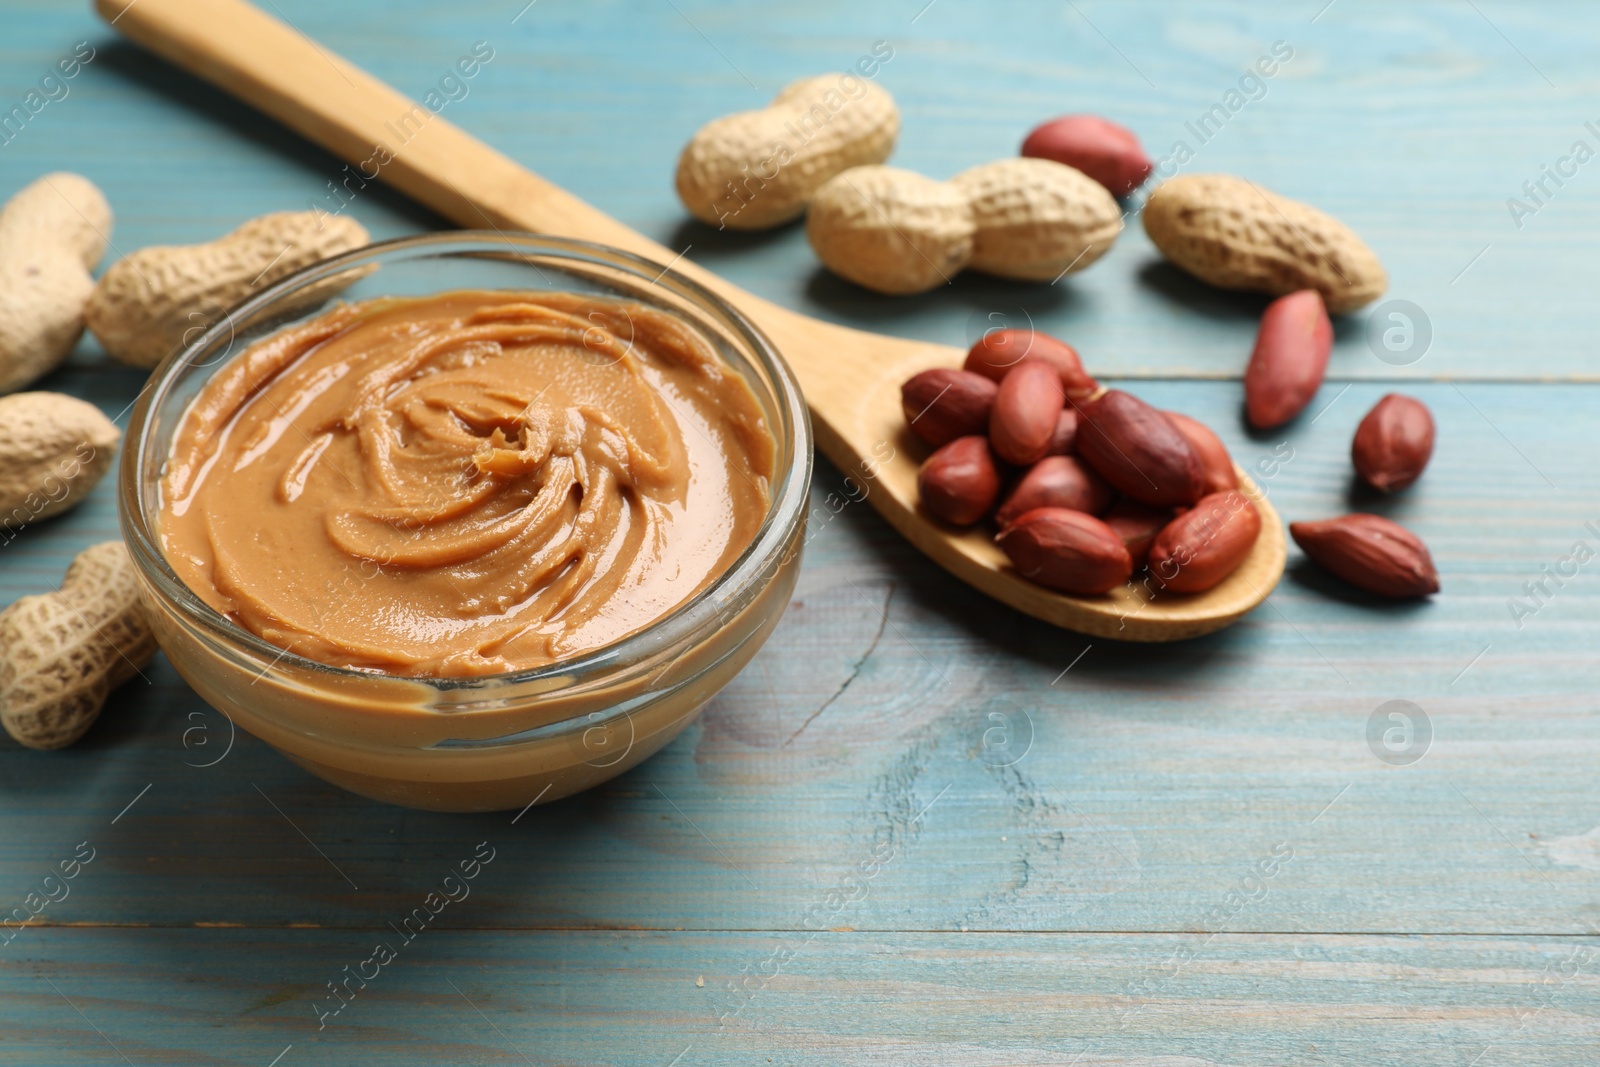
x=860, y=427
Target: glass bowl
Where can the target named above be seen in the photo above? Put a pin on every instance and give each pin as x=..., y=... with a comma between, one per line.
x=490, y=742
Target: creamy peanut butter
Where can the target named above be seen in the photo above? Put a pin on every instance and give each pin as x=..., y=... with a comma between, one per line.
x=463, y=484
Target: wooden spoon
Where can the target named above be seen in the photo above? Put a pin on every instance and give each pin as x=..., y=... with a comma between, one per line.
x=850, y=378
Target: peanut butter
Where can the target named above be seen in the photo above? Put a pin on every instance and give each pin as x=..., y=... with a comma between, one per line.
x=465, y=484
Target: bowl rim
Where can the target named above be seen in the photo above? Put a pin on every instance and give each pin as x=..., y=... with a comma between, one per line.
x=789, y=488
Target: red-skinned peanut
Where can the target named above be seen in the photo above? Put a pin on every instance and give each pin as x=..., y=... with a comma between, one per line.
x=1102, y=149
x=960, y=482
x=1026, y=409
x=943, y=404
x=1065, y=440
x=1137, y=524
x=1067, y=551
x=1371, y=553
x=997, y=351
x=1393, y=443
x=1205, y=544
x=1060, y=482
x=1289, y=359
x=1215, y=463
x=1139, y=451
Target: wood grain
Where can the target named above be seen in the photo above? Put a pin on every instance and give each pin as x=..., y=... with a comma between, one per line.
x=1034, y=1000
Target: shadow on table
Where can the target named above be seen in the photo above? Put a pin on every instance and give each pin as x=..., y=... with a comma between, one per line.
x=1182, y=288
x=710, y=243
x=1309, y=576
x=989, y=300
x=1362, y=497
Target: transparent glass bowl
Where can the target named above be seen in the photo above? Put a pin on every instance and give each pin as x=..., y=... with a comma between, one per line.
x=499, y=741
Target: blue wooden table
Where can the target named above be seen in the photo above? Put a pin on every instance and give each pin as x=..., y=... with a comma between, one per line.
x=1184, y=855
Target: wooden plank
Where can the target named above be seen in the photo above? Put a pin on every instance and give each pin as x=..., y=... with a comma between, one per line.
x=1156, y=777
x=1415, y=125
x=246, y=996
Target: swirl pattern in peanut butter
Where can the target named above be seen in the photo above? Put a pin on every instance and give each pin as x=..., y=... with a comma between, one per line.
x=465, y=484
